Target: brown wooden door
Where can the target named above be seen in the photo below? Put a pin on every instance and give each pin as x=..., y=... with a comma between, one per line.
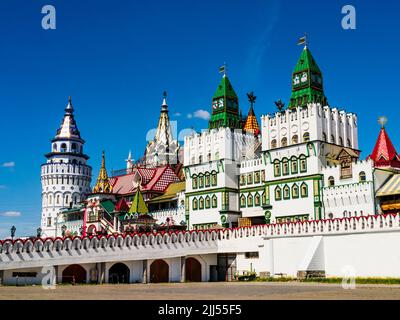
x=74, y=274
x=159, y=271
x=193, y=270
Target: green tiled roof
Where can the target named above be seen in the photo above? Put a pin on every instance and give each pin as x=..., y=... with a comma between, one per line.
x=311, y=90
x=306, y=62
x=225, y=89
x=108, y=205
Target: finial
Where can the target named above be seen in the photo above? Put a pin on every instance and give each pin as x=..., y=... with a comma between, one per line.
x=70, y=99
x=252, y=98
x=303, y=40
x=382, y=121
x=164, y=103
x=223, y=69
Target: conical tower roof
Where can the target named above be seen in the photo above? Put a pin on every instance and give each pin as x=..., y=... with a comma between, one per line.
x=68, y=128
x=225, y=107
x=225, y=89
x=138, y=205
x=251, y=124
x=384, y=153
x=103, y=182
x=307, y=82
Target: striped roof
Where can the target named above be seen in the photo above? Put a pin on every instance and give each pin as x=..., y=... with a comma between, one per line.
x=391, y=187
x=251, y=124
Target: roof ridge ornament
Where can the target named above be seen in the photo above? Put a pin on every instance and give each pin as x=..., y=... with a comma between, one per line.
x=383, y=121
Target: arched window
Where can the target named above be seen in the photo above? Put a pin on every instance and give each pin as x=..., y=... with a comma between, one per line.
x=286, y=193
x=284, y=142
x=201, y=203
x=324, y=137
x=63, y=147
x=303, y=164
x=214, y=201
x=214, y=179
x=295, y=191
x=277, y=168
x=74, y=148
x=295, y=139
x=250, y=200
x=331, y=181
x=200, y=159
x=208, y=202
x=58, y=199
x=362, y=176
x=306, y=137
x=294, y=165
x=242, y=201
x=54, y=146
x=194, y=182
x=273, y=144
x=285, y=167
x=304, y=190
x=217, y=155
x=257, y=200
x=278, y=194
x=209, y=157
x=208, y=181
x=194, y=204
x=50, y=199
x=201, y=181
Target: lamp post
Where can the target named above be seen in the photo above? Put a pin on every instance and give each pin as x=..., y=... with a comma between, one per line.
x=63, y=229
x=39, y=232
x=13, y=229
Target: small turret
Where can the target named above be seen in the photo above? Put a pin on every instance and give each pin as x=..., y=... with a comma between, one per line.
x=103, y=182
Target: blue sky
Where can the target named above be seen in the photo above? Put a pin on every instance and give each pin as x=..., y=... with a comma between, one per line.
x=115, y=58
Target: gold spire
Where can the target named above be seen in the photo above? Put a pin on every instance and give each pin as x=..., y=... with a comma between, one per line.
x=103, y=183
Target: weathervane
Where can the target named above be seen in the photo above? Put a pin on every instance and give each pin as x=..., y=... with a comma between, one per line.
x=280, y=105
x=382, y=121
x=252, y=98
x=223, y=69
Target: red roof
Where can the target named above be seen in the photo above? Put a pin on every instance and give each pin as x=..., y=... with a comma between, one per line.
x=152, y=179
x=122, y=206
x=385, y=154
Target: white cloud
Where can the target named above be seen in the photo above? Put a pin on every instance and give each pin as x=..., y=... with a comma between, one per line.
x=178, y=114
x=189, y=116
x=11, y=214
x=202, y=114
x=10, y=164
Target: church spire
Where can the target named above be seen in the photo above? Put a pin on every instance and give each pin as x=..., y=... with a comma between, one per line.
x=103, y=183
x=307, y=82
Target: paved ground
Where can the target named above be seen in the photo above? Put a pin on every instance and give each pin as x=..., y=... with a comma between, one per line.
x=203, y=291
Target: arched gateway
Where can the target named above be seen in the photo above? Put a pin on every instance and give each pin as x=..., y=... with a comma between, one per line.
x=193, y=270
x=74, y=274
x=118, y=273
x=159, y=271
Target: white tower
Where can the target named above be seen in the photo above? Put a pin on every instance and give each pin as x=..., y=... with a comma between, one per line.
x=65, y=176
